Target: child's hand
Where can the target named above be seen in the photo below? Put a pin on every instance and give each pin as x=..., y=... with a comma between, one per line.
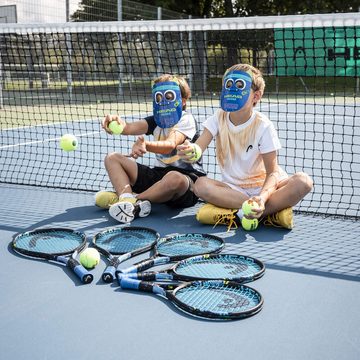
x=185, y=151
x=258, y=210
x=108, y=119
x=139, y=148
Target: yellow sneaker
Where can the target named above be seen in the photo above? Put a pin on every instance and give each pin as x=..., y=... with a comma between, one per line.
x=283, y=218
x=213, y=215
x=104, y=199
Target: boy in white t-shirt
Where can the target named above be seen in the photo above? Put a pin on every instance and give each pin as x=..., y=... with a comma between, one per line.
x=170, y=180
x=246, y=150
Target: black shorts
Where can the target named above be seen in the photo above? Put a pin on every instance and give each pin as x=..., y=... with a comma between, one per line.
x=147, y=177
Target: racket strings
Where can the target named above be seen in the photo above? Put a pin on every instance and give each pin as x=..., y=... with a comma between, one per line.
x=175, y=247
x=219, y=267
x=119, y=242
x=220, y=299
x=50, y=242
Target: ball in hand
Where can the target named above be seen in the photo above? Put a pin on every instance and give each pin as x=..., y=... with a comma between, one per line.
x=196, y=151
x=68, y=142
x=248, y=207
x=116, y=128
x=89, y=258
x=249, y=224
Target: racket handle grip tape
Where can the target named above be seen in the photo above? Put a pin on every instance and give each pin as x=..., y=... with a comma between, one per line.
x=150, y=276
x=80, y=271
x=133, y=284
x=147, y=265
x=108, y=275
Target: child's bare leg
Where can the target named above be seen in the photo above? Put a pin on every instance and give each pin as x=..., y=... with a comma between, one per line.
x=218, y=193
x=170, y=187
x=289, y=192
x=122, y=172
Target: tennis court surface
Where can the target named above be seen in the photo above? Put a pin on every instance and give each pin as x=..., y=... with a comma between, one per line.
x=59, y=79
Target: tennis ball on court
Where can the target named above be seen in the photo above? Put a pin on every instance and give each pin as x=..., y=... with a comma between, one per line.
x=249, y=224
x=197, y=152
x=89, y=258
x=116, y=128
x=248, y=206
x=68, y=142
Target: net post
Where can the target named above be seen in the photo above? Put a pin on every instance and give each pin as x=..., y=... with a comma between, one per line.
x=159, y=44
x=68, y=66
x=190, y=69
x=119, y=10
x=1, y=81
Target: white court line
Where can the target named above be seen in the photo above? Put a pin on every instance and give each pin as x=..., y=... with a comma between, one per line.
x=46, y=140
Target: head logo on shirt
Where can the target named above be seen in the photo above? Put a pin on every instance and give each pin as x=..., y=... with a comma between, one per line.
x=167, y=104
x=235, y=91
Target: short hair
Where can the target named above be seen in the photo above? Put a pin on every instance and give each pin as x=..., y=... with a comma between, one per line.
x=258, y=82
x=184, y=86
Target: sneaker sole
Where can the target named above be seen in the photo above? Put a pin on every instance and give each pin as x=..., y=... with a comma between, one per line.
x=145, y=208
x=122, y=212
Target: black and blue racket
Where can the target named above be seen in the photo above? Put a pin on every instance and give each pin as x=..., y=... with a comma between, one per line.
x=239, y=268
x=178, y=247
x=120, y=244
x=211, y=299
x=54, y=244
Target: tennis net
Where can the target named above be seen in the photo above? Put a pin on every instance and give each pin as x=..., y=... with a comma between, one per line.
x=63, y=78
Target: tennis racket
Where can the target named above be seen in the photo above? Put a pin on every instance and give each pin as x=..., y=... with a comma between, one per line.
x=120, y=244
x=233, y=267
x=211, y=299
x=178, y=247
x=55, y=244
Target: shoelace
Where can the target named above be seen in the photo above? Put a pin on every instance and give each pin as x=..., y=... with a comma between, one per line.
x=227, y=219
x=272, y=220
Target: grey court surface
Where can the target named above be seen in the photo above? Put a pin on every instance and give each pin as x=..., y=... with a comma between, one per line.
x=311, y=290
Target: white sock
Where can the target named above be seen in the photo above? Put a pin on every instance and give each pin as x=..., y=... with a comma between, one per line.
x=240, y=214
x=126, y=196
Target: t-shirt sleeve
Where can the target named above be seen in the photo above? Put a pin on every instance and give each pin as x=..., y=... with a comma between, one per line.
x=151, y=124
x=212, y=124
x=269, y=140
x=186, y=125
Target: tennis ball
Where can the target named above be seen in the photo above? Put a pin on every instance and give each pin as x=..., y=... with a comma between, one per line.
x=197, y=152
x=249, y=224
x=68, y=142
x=89, y=258
x=116, y=128
x=248, y=206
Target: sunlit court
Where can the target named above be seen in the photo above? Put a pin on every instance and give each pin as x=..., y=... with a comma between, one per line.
x=63, y=78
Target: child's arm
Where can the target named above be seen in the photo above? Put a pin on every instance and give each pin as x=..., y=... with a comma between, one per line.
x=142, y=146
x=184, y=150
x=270, y=183
x=134, y=128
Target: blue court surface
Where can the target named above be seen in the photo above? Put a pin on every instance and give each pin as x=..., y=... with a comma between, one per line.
x=311, y=290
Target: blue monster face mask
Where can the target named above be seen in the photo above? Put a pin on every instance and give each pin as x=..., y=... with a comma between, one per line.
x=235, y=91
x=167, y=104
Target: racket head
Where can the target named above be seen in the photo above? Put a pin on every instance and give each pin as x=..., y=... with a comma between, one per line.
x=181, y=246
x=49, y=242
x=123, y=240
x=240, y=268
x=217, y=299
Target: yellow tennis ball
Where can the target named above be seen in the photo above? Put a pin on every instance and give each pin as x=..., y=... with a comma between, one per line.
x=248, y=206
x=89, y=258
x=116, y=128
x=197, y=152
x=249, y=224
x=68, y=142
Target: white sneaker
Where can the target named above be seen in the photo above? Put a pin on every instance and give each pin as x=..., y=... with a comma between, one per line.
x=126, y=210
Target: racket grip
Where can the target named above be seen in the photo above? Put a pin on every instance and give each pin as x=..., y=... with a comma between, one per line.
x=108, y=275
x=133, y=284
x=80, y=271
x=147, y=265
x=150, y=276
